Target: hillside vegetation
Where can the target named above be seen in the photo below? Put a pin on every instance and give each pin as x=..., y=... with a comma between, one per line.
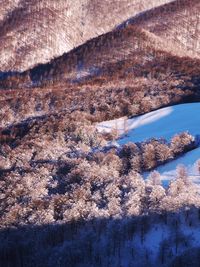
x=87, y=118
x=34, y=32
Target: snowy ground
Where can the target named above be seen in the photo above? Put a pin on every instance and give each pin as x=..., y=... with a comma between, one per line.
x=168, y=171
x=165, y=122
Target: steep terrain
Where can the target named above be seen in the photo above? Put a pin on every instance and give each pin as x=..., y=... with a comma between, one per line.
x=128, y=71
x=34, y=32
x=178, y=22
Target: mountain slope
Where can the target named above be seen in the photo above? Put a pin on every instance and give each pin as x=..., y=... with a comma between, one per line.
x=128, y=71
x=35, y=32
x=178, y=22
x=115, y=52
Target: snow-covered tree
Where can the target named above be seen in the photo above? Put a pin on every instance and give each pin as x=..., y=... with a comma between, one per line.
x=182, y=142
x=182, y=174
x=154, y=178
x=163, y=152
x=134, y=192
x=149, y=156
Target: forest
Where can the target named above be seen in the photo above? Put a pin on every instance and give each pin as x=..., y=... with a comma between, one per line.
x=99, y=105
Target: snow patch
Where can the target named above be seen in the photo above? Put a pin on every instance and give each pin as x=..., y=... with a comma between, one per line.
x=165, y=122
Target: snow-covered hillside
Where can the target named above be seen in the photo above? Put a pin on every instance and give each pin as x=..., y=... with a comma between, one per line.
x=165, y=122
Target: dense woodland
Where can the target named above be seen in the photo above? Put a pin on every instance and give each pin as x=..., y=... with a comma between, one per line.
x=73, y=197
x=34, y=32
x=46, y=179
x=65, y=186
